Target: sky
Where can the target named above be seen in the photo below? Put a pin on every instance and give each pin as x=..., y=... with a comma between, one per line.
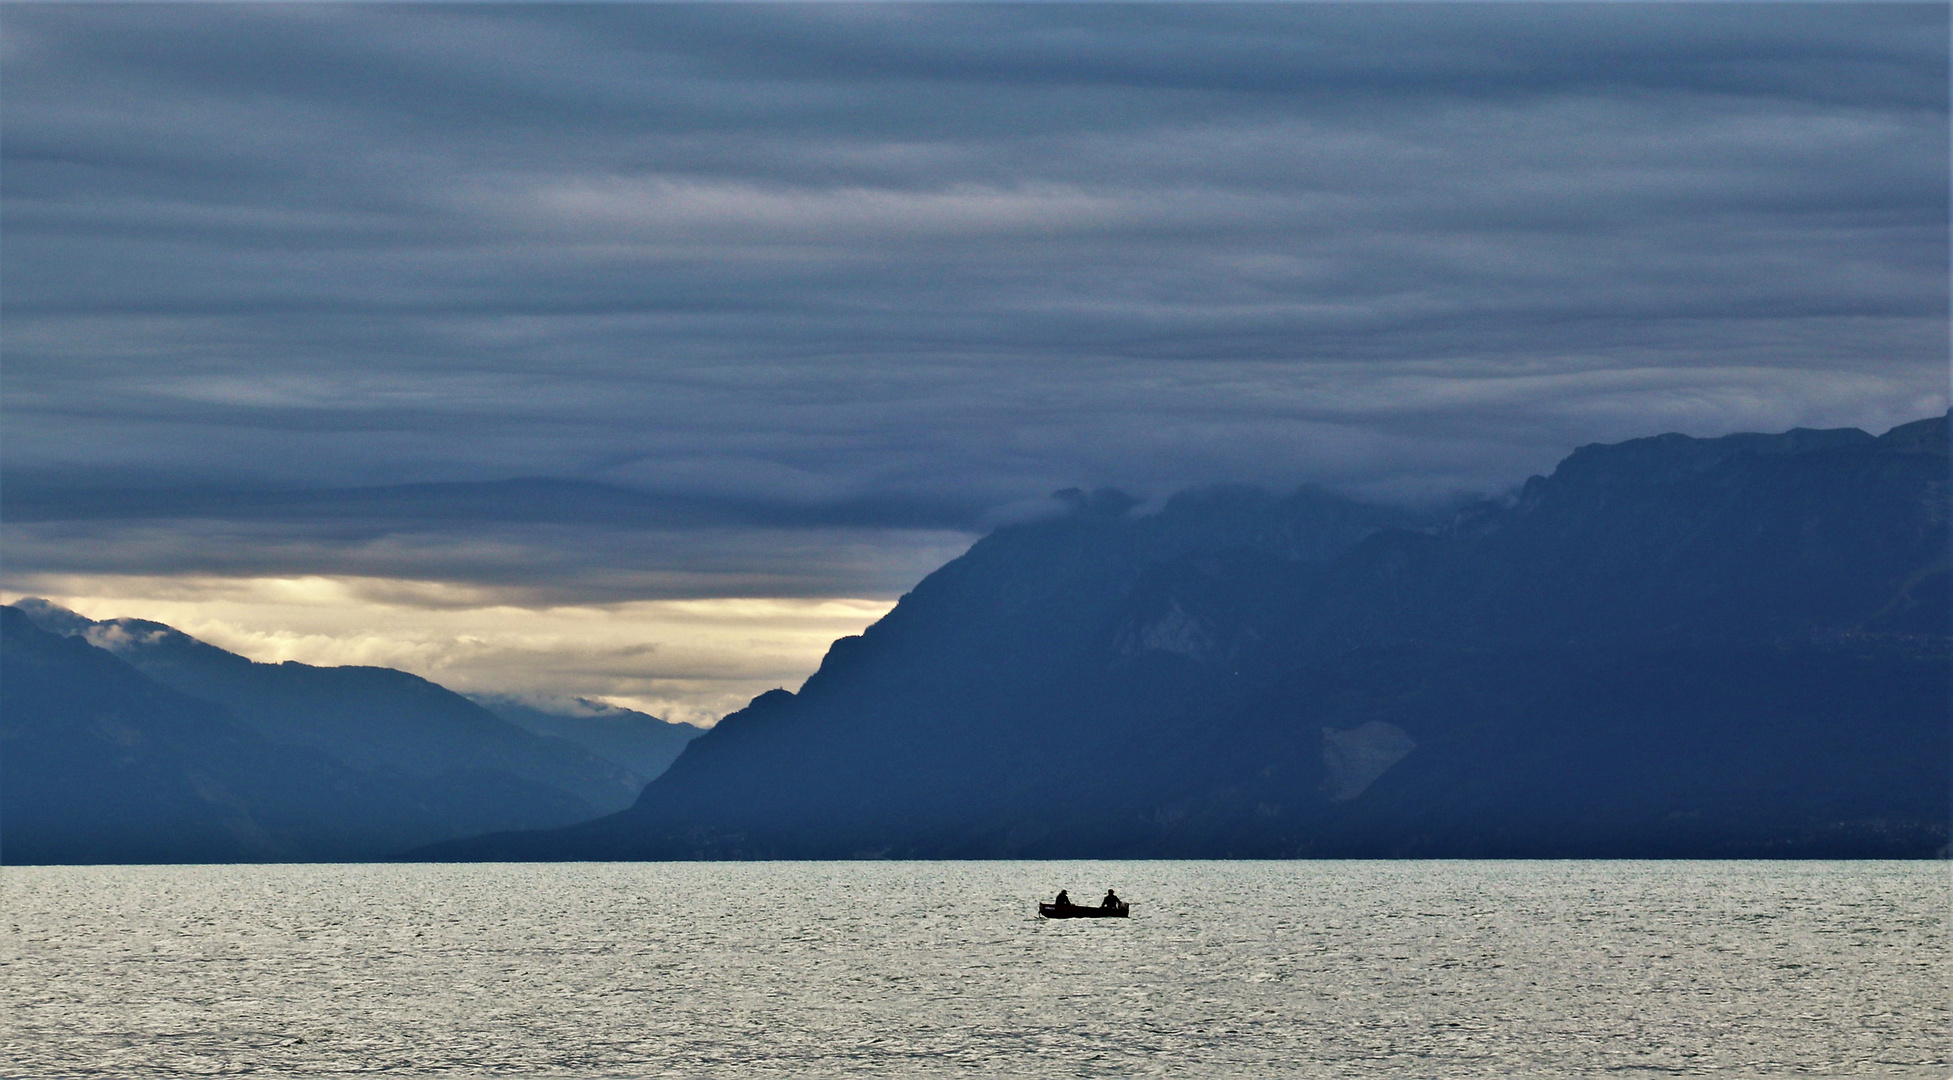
x=637, y=351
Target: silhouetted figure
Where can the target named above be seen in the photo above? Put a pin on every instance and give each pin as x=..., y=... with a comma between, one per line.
x=1111, y=900
x=1064, y=898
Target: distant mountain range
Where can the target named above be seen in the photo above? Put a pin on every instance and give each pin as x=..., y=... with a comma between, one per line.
x=1670, y=647
x=126, y=740
x=1682, y=647
x=638, y=741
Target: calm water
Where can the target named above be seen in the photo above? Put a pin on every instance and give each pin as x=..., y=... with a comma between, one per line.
x=1399, y=969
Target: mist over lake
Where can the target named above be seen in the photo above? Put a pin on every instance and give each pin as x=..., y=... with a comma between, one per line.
x=1249, y=969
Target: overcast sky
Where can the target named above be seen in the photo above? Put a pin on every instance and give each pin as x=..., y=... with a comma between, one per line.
x=802, y=298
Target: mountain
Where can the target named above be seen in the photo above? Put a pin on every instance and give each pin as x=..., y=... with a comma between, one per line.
x=308, y=763
x=99, y=763
x=637, y=741
x=369, y=718
x=1670, y=647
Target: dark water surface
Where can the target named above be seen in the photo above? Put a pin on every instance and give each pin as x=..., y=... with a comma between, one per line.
x=1308, y=969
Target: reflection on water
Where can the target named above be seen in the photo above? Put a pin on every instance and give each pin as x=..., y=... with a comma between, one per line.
x=1330, y=969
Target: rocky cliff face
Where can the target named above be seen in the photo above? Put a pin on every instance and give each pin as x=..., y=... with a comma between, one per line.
x=1670, y=646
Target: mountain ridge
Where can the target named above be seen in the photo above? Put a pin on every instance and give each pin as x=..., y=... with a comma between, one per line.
x=425, y=763
x=1667, y=647
x=1080, y=686
x=103, y=764
x=638, y=741
x=367, y=716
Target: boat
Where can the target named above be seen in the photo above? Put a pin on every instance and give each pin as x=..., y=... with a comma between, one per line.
x=1074, y=911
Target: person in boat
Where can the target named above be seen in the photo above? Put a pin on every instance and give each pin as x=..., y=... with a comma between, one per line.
x=1064, y=898
x=1111, y=900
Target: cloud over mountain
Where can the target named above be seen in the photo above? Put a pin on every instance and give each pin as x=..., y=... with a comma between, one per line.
x=823, y=285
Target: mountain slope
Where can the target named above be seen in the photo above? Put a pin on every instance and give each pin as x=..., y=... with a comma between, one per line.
x=370, y=719
x=100, y=764
x=1671, y=646
x=637, y=741
x=193, y=754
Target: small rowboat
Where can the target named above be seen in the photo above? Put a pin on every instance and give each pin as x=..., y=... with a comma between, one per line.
x=1073, y=911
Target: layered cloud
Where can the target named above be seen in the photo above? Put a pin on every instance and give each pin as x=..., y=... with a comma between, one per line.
x=792, y=300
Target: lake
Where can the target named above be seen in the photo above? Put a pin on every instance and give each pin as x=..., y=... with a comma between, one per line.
x=1250, y=969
